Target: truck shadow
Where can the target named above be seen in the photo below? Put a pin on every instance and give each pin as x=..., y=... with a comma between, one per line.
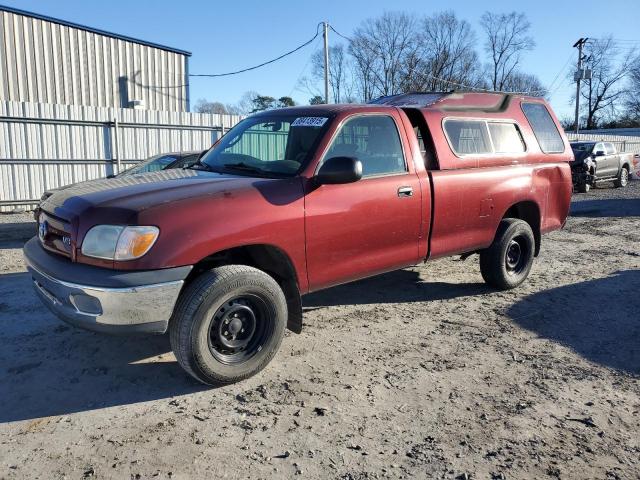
x=394, y=287
x=598, y=319
x=14, y=235
x=49, y=368
x=614, y=207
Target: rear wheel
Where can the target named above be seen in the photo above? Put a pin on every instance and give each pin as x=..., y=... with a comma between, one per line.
x=623, y=178
x=507, y=262
x=228, y=324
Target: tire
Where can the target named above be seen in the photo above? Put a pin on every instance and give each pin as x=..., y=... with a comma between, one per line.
x=228, y=324
x=507, y=262
x=584, y=187
x=623, y=178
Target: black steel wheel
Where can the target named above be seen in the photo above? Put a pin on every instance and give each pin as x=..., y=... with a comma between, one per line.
x=240, y=328
x=507, y=262
x=516, y=255
x=228, y=324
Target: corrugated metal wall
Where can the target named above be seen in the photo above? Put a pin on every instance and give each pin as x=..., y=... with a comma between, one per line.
x=623, y=143
x=47, y=62
x=46, y=146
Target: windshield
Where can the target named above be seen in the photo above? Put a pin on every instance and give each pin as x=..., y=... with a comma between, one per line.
x=269, y=146
x=582, y=147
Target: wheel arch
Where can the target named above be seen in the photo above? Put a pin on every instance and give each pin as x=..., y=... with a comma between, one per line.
x=528, y=211
x=270, y=259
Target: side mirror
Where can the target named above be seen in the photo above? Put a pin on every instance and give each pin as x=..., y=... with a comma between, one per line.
x=339, y=170
x=599, y=153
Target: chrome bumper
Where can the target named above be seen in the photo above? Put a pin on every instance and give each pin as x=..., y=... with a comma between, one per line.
x=138, y=309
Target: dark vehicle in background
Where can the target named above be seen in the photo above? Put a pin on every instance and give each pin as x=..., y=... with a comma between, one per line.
x=597, y=162
x=163, y=161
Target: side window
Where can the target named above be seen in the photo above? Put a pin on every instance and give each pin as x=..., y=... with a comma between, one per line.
x=599, y=148
x=506, y=138
x=543, y=127
x=372, y=139
x=468, y=136
x=609, y=148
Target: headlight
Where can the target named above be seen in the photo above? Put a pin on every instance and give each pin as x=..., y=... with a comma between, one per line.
x=116, y=242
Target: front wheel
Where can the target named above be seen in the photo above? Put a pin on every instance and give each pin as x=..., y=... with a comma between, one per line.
x=623, y=178
x=507, y=262
x=584, y=187
x=228, y=324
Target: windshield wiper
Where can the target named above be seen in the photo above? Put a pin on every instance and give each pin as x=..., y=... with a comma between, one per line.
x=200, y=165
x=245, y=168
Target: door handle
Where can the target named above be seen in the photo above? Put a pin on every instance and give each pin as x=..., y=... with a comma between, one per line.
x=405, y=192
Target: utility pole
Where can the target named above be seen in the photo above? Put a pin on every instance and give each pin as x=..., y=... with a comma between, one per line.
x=578, y=76
x=325, y=28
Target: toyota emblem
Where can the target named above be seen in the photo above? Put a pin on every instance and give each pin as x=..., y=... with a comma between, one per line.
x=42, y=230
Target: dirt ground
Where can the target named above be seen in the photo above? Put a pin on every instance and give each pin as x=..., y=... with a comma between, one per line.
x=422, y=373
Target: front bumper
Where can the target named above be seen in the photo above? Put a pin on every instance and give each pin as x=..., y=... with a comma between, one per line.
x=580, y=175
x=104, y=300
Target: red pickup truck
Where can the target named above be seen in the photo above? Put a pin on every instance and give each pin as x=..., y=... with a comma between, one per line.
x=295, y=200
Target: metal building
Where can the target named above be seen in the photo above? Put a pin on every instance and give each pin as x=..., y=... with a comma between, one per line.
x=52, y=61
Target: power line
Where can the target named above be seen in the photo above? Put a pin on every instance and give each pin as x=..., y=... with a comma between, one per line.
x=339, y=34
x=295, y=85
x=615, y=40
x=562, y=70
x=226, y=74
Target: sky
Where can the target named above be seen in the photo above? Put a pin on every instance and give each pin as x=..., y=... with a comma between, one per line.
x=230, y=35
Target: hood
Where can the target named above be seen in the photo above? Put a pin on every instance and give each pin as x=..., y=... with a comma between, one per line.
x=580, y=156
x=119, y=199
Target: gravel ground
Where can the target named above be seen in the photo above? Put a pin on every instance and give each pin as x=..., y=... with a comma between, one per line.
x=423, y=372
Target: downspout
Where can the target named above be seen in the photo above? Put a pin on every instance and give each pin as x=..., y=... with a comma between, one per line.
x=186, y=76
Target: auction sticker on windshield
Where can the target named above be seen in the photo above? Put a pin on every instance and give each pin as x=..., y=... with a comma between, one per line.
x=309, y=121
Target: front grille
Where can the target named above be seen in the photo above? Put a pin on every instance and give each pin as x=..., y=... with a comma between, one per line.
x=54, y=234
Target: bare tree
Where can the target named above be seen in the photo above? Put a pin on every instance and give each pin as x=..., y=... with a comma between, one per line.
x=525, y=83
x=632, y=97
x=338, y=72
x=568, y=122
x=605, y=90
x=380, y=47
x=446, y=55
x=205, y=106
x=245, y=105
x=364, y=64
x=506, y=39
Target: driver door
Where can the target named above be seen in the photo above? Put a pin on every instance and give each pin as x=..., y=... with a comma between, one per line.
x=611, y=160
x=370, y=226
